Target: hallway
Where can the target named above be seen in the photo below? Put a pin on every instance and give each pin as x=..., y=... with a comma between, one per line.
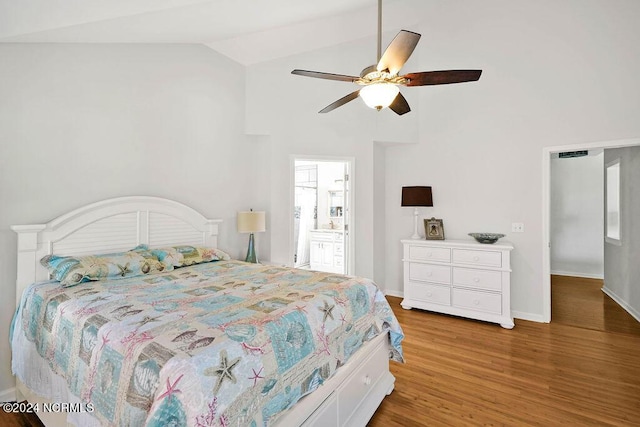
x=580, y=302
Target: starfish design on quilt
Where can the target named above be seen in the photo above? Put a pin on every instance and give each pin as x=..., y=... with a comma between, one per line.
x=327, y=311
x=256, y=376
x=124, y=269
x=223, y=371
x=171, y=388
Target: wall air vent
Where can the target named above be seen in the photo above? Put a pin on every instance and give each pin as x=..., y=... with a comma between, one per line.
x=568, y=154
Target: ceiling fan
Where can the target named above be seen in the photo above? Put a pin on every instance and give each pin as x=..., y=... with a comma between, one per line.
x=380, y=83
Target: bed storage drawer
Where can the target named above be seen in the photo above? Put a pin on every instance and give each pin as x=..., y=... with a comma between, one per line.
x=359, y=384
x=326, y=415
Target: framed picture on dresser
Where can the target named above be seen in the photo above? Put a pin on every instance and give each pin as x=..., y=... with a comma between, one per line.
x=433, y=229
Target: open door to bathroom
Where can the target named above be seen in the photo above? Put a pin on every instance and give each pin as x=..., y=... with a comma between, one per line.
x=321, y=214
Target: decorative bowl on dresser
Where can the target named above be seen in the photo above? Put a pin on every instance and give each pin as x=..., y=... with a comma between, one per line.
x=459, y=277
x=489, y=238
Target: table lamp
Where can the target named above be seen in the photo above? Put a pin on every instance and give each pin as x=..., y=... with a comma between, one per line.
x=416, y=197
x=251, y=222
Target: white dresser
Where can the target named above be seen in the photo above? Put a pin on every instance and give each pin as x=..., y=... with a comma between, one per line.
x=459, y=277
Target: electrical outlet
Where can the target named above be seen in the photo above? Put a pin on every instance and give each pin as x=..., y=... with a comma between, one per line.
x=517, y=227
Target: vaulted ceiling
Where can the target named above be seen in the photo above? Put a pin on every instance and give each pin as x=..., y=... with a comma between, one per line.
x=248, y=31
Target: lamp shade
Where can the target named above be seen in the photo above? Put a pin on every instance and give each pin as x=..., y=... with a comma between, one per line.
x=251, y=221
x=417, y=196
x=379, y=95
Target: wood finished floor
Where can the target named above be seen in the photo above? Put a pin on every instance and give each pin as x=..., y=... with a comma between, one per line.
x=580, y=302
x=582, y=369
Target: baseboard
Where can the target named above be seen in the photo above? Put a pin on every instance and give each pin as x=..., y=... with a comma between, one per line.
x=533, y=317
x=576, y=274
x=622, y=303
x=8, y=395
x=398, y=294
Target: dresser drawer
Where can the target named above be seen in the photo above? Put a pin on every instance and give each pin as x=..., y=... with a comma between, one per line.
x=476, y=300
x=482, y=279
x=428, y=293
x=428, y=253
x=429, y=273
x=487, y=258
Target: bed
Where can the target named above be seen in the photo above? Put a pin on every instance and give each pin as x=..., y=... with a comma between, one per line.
x=213, y=343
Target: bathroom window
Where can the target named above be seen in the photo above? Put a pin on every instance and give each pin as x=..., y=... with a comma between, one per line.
x=613, y=202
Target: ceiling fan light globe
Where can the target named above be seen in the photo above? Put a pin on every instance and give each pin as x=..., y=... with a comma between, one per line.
x=379, y=95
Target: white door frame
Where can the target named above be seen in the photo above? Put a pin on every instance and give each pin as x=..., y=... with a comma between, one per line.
x=546, y=206
x=350, y=249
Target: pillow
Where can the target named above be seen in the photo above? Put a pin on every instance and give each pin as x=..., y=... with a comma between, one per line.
x=180, y=256
x=70, y=270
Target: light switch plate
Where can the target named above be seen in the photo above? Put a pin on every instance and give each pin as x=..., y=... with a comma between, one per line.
x=517, y=227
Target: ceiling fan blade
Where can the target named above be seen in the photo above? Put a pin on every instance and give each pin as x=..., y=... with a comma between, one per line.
x=442, y=77
x=327, y=76
x=398, y=51
x=340, y=102
x=400, y=105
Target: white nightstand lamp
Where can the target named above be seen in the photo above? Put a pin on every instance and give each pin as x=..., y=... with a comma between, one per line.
x=416, y=197
x=251, y=222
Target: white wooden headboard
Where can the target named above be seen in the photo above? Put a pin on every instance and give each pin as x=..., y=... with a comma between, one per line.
x=111, y=225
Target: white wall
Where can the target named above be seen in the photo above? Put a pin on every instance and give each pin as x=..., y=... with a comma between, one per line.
x=285, y=107
x=576, y=216
x=554, y=73
x=622, y=269
x=379, y=209
x=80, y=123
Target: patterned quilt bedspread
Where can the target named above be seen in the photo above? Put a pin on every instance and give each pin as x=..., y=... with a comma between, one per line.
x=222, y=343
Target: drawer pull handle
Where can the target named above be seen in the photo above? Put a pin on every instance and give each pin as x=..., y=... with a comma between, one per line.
x=476, y=258
x=476, y=302
x=367, y=380
x=429, y=273
x=429, y=255
x=429, y=294
x=476, y=279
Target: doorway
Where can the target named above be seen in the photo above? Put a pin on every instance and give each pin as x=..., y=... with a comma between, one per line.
x=546, y=209
x=322, y=219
